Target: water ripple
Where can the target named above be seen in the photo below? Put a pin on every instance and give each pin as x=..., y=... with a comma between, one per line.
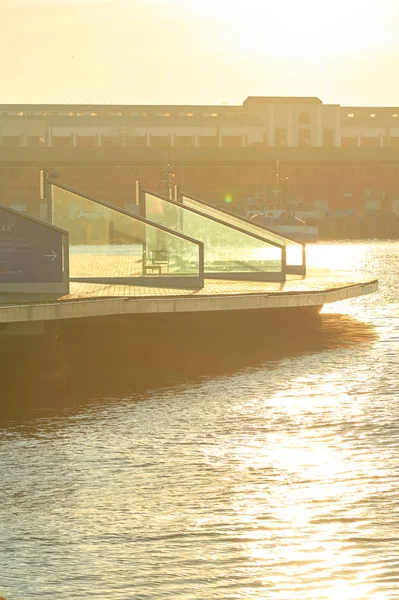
x=277, y=481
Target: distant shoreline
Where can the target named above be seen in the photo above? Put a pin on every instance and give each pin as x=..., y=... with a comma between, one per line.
x=358, y=228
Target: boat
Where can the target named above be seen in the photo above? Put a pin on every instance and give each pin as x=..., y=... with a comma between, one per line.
x=280, y=220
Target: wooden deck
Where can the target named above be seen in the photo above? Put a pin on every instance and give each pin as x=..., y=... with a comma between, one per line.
x=95, y=300
x=317, y=280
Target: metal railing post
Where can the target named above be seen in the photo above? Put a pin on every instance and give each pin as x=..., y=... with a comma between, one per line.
x=49, y=198
x=284, y=262
x=138, y=190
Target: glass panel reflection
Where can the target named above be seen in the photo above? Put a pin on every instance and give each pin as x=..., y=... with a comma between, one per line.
x=227, y=249
x=294, y=250
x=106, y=243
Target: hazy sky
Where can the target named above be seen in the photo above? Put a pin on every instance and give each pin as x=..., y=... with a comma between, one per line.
x=199, y=51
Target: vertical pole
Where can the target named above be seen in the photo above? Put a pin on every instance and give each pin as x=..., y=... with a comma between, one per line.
x=138, y=194
x=65, y=258
x=49, y=196
x=277, y=192
x=304, y=258
x=43, y=190
x=284, y=263
x=46, y=194
x=180, y=212
x=140, y=203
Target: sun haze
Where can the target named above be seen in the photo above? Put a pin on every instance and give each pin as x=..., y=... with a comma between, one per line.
x=198, y=51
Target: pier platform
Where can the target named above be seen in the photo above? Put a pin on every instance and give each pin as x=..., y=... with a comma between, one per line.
x=89, y=300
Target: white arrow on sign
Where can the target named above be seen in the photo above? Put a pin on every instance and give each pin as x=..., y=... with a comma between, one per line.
x=53, y=255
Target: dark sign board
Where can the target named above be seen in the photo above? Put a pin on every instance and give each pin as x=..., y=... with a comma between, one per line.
x=30, y=252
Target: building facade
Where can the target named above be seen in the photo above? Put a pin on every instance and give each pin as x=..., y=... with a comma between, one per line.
x=319, y=156
x=259, y=122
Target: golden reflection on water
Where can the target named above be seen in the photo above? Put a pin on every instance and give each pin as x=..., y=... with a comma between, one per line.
x=354, y=258
x=338, y=257
x=307, y=510
x=279, y=482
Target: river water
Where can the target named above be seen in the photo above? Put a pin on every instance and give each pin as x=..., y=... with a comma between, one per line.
x=277, y=478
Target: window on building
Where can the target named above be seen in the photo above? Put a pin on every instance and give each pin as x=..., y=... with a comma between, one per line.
x=210, y=141
x=351, y=115
x=11, y=140
x=184, y=141
x=370, y=142
x=231, y=141
x=111, y=142
x=61, y=141
x=395, y=115
x=304, y=137
x=86, y=141
x=137, y=141
x=281, y=137
x=373, y=115
x=157, y=141
x=36, y=141
x=349, y=142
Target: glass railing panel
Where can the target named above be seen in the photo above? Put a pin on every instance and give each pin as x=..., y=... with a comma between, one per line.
x=294, y=254
x=106, y=243
x=226, y=248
